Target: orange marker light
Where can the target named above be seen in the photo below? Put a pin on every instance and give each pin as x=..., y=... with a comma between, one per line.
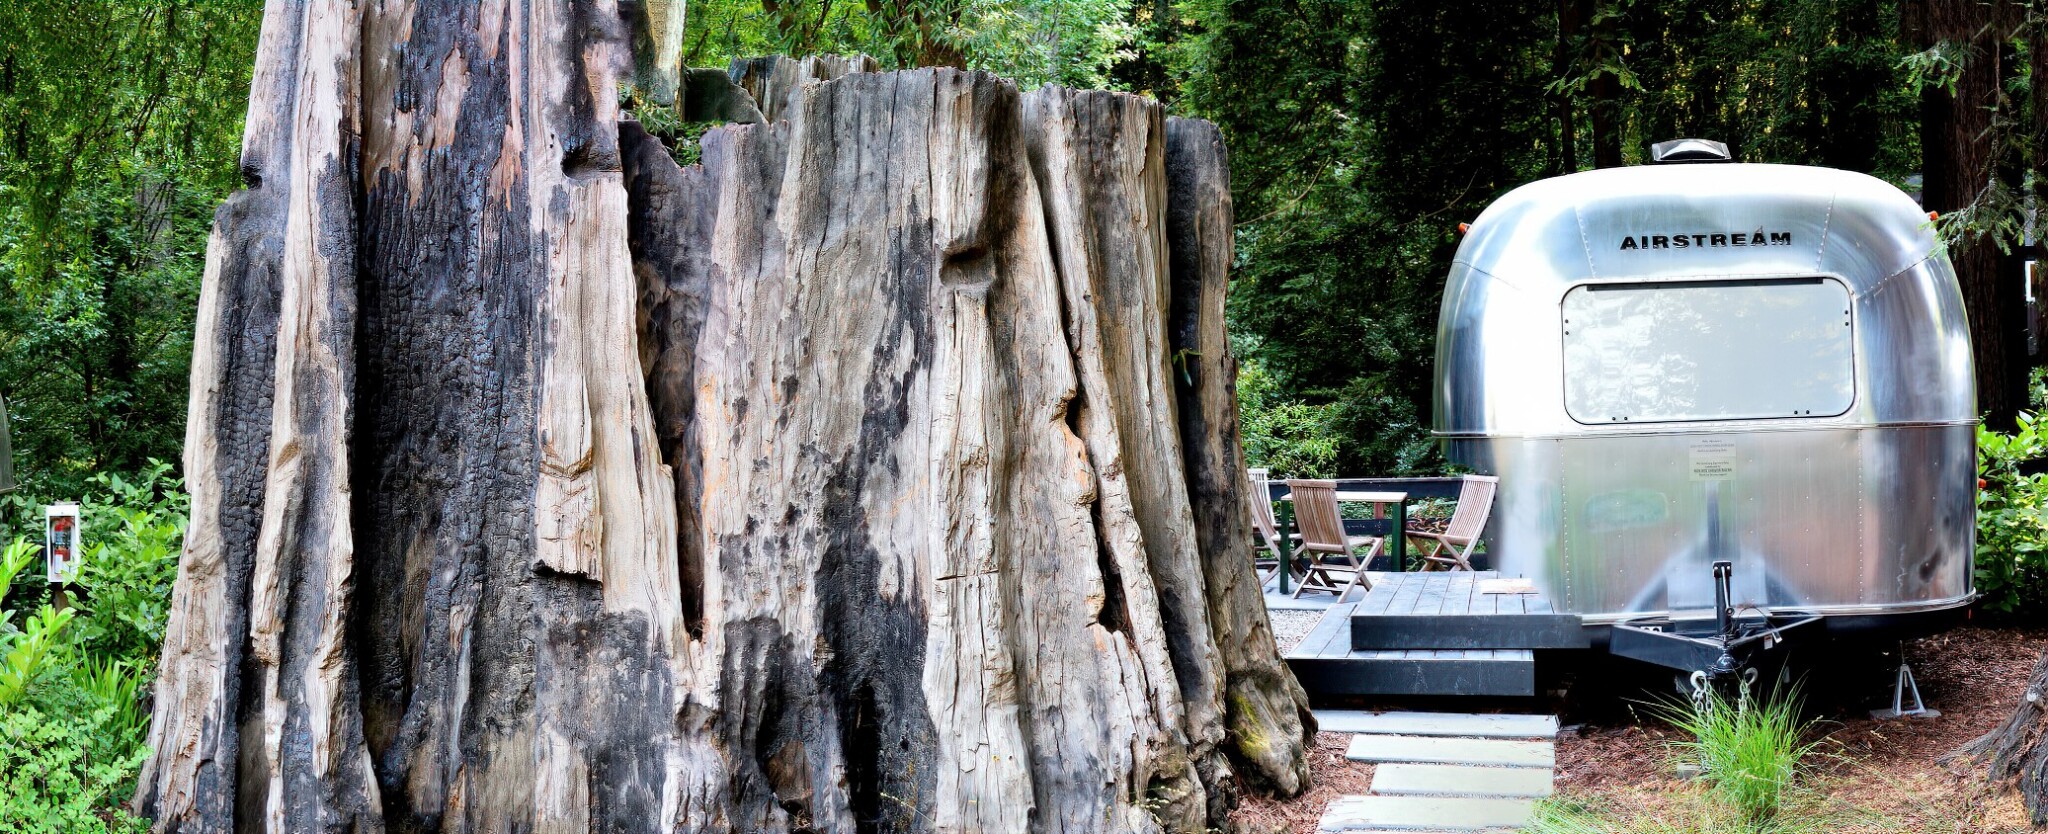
x=1934, y=215
x=1464, y=227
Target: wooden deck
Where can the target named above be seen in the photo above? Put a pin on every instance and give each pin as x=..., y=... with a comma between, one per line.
x=1433, y=634
x=1452, y=610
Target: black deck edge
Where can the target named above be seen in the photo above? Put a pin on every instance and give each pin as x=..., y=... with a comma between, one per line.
x=1468, y=631
x=1513, y=677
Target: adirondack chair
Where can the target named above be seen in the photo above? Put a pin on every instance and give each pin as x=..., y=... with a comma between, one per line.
x=1334, y=565
x=1452, y=548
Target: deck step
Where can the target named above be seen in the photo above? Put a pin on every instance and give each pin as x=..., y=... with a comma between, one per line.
x=1437, y=724
x=1403, y=779
x=1452, y=610
x=1326, y=664
x=1464, y=751
x=1422, y=813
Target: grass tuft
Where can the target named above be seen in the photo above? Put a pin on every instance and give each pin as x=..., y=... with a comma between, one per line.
x=1749, y=751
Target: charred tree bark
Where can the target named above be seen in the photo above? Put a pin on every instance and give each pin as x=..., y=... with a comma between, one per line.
x=2014, y=750
x=1259, y=692
x=878, y=473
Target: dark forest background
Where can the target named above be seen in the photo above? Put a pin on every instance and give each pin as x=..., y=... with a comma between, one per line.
x=1362, y=133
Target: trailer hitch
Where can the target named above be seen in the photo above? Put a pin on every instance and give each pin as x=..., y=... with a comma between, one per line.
x=1725, y=658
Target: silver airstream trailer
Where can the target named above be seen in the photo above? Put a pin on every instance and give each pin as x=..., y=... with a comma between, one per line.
x=1677, y=365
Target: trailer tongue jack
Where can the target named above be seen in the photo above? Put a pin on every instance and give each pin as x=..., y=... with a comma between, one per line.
x=1725, y=657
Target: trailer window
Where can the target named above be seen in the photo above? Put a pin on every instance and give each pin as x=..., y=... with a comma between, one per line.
x=1707, y=350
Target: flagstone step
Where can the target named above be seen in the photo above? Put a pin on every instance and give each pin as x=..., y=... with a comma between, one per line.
x=1404, y=779
x=1438, y=750
x=1423, y=813
x=1438, y=724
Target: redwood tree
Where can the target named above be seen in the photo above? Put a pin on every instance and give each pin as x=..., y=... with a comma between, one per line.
x=878, y=473
x=1973, y=170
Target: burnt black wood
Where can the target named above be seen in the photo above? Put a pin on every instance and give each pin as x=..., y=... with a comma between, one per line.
x=1446, y=611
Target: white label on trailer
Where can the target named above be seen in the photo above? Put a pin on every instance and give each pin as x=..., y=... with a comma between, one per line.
x=1712, y=460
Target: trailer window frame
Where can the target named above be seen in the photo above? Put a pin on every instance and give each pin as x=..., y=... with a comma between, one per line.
x=1841, y=366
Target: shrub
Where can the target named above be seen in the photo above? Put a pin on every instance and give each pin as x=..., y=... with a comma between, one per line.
x=2012, y=530
x=71, y=725
x=131, y=529
x=72, y=681
x=63, y=774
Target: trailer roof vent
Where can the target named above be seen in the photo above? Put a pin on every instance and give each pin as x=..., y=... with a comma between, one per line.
x=1689, y=150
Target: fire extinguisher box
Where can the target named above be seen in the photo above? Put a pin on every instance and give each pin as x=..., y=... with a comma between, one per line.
x=61, y=552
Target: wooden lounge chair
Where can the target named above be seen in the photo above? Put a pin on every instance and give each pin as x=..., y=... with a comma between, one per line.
x=1452, y=548
x=1333, y=564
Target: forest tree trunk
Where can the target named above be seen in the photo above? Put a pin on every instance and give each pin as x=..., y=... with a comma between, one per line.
x=880, y=473
x=2015, y=750
x=1571, y=18
x=1959, y=162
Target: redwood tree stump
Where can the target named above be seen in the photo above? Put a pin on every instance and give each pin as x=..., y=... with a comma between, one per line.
x=879, y=473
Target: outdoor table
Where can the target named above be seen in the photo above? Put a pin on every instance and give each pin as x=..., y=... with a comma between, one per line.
x=1378, y=499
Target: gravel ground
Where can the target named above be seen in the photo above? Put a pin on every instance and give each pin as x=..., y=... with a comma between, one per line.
x=1290, y=626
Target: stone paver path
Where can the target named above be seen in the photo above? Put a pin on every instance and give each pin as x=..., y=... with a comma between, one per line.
x=1443, y=773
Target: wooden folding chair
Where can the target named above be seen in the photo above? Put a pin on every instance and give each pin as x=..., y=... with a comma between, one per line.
x=1452, y=548
x=1267, y=553
x=1333, y=566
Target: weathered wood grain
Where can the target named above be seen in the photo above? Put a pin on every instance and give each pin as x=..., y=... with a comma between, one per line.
x=777, y=82
x=256, y=721
x=657, y=27
x=837, y=483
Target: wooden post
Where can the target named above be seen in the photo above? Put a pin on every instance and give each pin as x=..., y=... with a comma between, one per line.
x=1285, y=526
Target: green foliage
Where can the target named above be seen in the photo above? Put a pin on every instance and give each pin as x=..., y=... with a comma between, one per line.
x=72, y=723
x=131, y=561
x=1557, y=816
x=116, y=687
x=25, y=656
x=119, y=124
x=1361, y=134
x=131, y=529
x=1071, y=42
x=1815, y=82
x=2014, y=146
x=64, y=774
x=1749, y=750
x=2012, y=527
x=1706, y=815
x=1292, y=438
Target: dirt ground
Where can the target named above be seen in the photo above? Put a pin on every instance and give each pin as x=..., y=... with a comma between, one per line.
x=1973, y=675
x=1333, y=776
x=1882, y=776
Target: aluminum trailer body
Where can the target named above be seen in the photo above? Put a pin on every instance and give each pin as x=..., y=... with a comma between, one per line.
x=1674, y=365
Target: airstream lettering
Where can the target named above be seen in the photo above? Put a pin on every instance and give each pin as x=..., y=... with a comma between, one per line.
x=1756, y=238
x=1794, y=400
